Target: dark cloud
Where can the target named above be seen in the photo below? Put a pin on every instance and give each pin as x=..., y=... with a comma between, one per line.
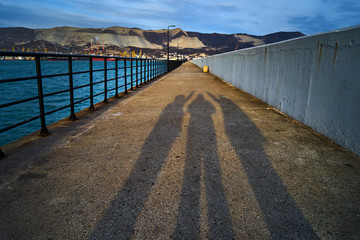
x=344, y=14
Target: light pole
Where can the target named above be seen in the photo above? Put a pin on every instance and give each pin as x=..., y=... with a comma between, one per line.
x=168, y=51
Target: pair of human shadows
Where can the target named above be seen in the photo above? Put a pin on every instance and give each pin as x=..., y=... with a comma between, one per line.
x=201, y=153
x=120, y=218
x=283, y=217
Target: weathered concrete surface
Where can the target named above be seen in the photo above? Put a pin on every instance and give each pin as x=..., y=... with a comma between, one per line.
x=188, y=157
x=314, y=79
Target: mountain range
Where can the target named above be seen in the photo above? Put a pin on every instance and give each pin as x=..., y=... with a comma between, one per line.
x=113, y=40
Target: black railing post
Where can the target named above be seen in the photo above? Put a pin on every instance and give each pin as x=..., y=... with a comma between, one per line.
x=92, y=108
x=141, y=72
x=71, y=86
x=125, y=76
x=146, y=70
x=116, y=79
x=2, y=154
x=131, y=65
x=137, y=71
x=44, y=131
x=157, y=67
x=149, y=72
x=105, y=81
x=153, y=68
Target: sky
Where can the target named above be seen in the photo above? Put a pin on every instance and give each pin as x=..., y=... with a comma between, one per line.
x=257, y=17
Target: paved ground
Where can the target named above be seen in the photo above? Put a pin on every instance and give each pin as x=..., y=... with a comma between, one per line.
x=185, y=157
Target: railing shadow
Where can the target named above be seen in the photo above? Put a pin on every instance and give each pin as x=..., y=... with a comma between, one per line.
x=283, y=217
x=201, y=153
x=119, y=220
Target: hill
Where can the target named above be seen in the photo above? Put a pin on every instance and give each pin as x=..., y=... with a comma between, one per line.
x=116, y=39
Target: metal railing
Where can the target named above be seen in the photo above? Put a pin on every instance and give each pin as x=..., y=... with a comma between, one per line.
x=129, y=73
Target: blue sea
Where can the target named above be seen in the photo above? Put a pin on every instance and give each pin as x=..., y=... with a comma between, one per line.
x=15, y=91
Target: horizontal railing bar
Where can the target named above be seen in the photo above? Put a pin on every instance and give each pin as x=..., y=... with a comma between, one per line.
x=55, y=75
x=81, y=72
x=18, y=102
x=99, y=70
x=58, y=92
x=98, y=94
x=19, y=124
x=98, y=82
x=82, y=86
x=58, y=109
x=48, y=76
x=63, y=91
x=16, y=79
x=82, y=100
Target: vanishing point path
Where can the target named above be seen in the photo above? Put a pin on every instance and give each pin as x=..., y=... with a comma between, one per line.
x=184, y=157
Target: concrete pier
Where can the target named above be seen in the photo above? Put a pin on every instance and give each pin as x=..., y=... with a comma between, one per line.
x=186, y=157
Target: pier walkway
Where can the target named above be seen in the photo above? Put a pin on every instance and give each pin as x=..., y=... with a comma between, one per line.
x=185, y=157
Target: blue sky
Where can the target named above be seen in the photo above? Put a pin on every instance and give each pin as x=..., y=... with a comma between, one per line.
x=258, y=17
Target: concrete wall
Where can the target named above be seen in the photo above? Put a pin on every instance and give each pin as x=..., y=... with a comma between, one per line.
x=314, y=79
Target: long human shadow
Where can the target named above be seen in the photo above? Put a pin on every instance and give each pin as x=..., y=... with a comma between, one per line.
x=283, y=217
x=201, y=152
x=119, y=220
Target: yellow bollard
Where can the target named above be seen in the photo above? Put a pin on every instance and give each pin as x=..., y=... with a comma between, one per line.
x=205, y=69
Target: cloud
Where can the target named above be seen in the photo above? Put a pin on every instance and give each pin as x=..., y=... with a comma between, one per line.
x=328, y=15
x=36, y=17
x=228, y=16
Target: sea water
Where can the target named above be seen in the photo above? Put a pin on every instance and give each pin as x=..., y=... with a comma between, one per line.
x=15, y=91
